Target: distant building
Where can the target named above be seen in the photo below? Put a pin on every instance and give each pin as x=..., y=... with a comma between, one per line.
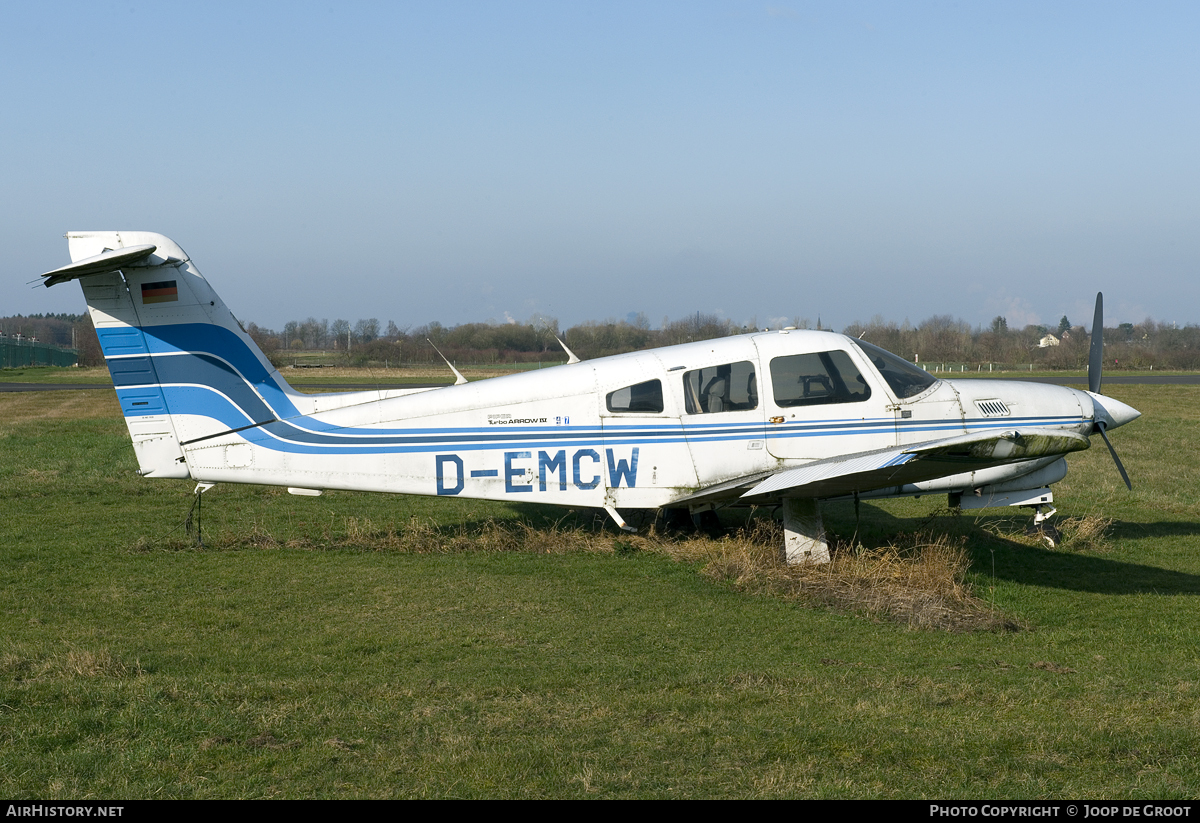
x=1048, y=341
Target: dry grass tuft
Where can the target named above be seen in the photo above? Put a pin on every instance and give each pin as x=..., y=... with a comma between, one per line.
x=74, y=663
x=1084, y=534
x=260, y=538
x=1088, y=533
x=83, y=663
x=921, y=583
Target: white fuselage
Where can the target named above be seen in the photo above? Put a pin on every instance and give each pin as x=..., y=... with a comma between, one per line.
x=550, y=436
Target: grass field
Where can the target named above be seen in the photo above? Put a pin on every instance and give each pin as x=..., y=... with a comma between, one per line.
x=313, y=651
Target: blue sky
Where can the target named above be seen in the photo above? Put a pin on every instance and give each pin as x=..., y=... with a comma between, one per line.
x=470, y=161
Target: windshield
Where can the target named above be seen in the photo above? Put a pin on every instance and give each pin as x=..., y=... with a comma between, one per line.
x=905, y=379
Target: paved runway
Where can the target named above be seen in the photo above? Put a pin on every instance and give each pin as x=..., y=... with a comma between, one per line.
x=51, y=386
x=1140, y=380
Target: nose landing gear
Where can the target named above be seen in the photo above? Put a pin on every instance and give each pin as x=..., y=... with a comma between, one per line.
x=1042, y=528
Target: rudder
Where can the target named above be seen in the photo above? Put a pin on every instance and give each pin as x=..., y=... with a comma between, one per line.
x=183, y=367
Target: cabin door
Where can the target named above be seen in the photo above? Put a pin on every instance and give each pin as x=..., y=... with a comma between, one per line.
x=645, y=459
x=820, y=400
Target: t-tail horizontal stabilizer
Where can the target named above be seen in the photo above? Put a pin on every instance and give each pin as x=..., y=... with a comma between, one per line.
x=109, y=260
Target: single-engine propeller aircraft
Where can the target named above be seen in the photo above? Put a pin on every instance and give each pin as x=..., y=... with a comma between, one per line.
x=787, y=418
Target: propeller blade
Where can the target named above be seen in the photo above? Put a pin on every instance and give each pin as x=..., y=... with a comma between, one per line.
x=1100, y=427
x=1096, y=355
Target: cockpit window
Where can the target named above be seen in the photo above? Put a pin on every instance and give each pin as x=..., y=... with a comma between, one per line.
x=905, y=379
x=643, y=397
x=816, y=379
x=728, y=387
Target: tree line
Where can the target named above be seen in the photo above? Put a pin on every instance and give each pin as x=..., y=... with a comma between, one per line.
x=944, y=340
x=535, y=340
x=937, y=341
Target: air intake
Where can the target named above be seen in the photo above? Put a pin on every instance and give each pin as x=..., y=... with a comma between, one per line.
x=992, y=408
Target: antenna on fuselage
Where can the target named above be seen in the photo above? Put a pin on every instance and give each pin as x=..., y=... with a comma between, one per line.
x=458, y=375
x=571, y=358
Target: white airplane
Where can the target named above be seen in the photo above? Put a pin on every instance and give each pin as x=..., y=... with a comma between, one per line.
x=787, y=418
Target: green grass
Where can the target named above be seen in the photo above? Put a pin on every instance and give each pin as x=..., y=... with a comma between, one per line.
x=294, y=659
x=56, y=374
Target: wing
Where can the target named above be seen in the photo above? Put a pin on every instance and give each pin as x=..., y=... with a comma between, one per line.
x=866, y=471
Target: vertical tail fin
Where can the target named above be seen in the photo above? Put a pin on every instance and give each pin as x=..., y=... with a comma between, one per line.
x=183, y=367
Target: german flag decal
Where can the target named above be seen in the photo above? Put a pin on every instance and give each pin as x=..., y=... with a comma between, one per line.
x=164, y=292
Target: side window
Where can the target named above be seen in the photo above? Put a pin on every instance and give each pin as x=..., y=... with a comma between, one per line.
x=642, y=397
x=816, y=379
x=728, y=387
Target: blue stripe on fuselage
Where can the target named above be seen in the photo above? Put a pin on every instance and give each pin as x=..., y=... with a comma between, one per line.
x=209, y=371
